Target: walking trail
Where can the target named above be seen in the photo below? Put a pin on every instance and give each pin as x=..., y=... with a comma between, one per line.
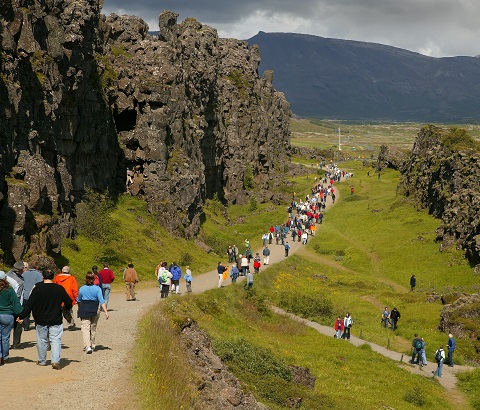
x=103, y=379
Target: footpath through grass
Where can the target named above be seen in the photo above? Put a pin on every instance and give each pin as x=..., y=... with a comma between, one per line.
x=361, y=260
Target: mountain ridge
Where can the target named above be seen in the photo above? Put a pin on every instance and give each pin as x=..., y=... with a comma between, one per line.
x=351, y=80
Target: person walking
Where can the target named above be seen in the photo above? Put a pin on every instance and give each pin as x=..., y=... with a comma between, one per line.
x=188, y=278
x=15, y=278
x=249, y=281
x=9, y=308
x=416, y=351
x=385, y=317
x=130, y=277
x=287, y=248
x=440, y=359
x=176, y=275
x=394, y=317
x=234, y=273
x=45, y=303
x=220, y=269
x=338, y=327
x=451, y=349
x=107, y=276
x=30, y=277
x=423, y=353
x=413, y=282
x=347, y=325
x=69, y=283
x=89, y=299
x=266, y=255
x=164, y=278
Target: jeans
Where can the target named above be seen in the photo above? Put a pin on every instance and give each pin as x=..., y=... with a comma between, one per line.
x=346, y=333
x=26, y=319
x=106, y=292
x=438, y=371
x=385, y=322
x=394, y=323
x=44, y=335
x=6, y=324
x=450, y=357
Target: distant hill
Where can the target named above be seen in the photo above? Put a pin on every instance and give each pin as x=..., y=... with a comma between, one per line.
x=353, y=80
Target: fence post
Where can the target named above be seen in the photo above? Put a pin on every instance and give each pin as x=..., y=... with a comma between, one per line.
x=388, y=344
x=361, y=336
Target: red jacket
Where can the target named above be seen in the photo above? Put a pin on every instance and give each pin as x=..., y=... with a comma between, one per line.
x=107, y=276
x=339, y=325
x=69, y=283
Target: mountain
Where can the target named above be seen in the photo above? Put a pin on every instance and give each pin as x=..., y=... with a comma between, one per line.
x=353, y=80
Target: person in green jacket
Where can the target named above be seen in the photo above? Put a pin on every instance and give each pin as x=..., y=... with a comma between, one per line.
x=9, y=307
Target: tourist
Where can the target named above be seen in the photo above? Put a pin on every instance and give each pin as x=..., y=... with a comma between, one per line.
x=394, y=317
x=130, y=278
x=287, y=248
x=188, y=278
x=339, y=327
x=9, y=308
x=107, y=276
x=385, y=317
x=15, y=278
x=221, y=270
x=234, y=273
x=176, y=275
x=416, y=351
x=45, y=303
x=89, y=299
x=69, y=283
x=30, y=277
x=440, y=359
x=249, y=281
x=165, y=279
x=413, y=282
x=347, y=325
x=451, y=349
x=266, y=255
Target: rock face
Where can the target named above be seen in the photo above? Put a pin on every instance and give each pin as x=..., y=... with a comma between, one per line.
x=219, y=388
x=84, y=98
x=443, y=174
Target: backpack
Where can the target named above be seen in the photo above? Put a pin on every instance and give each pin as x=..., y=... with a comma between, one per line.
x=163, y=277
x=418, y=344
x=438, y=356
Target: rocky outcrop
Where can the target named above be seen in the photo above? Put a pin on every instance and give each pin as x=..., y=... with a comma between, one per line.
x=84, y=98
x=443, y=175
x=57, y=133
x=461, y=318
x=219, y=388
x=192, y=115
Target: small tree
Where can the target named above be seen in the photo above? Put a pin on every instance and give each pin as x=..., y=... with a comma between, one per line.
x=248, y=182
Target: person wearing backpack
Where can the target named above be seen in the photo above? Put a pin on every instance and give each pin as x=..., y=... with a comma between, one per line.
x=417, y=349
x=164, y=278
x=439, y=358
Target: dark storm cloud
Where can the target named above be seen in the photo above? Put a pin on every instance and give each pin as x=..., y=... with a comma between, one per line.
x=436, y=27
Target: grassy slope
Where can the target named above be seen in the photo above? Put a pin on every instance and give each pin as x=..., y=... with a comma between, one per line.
x=368, y=247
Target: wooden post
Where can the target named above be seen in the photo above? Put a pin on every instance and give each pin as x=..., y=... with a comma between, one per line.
x=360, y=337
x=388, y=344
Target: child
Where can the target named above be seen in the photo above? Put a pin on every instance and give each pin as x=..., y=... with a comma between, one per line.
x=188, y=278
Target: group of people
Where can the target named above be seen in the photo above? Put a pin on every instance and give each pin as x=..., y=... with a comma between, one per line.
x=169, y=278
x=343, y=326
x=50, y=298
x=390, y=318
x=419, y=354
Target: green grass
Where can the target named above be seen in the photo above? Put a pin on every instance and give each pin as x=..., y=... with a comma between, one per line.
x=138, y=238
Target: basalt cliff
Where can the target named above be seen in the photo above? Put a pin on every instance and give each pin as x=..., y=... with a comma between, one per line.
x=89, y=101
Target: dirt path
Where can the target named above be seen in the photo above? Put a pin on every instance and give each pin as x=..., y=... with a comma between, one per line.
x=448, y=379
x=102, y=379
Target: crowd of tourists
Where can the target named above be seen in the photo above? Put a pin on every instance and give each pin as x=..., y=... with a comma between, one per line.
x=26, y=291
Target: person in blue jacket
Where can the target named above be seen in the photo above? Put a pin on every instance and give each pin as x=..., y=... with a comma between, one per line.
x=451, y=349
x=176, y=275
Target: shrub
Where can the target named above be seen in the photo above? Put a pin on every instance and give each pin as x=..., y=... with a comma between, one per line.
x=253, y=359
x=307, y=306
x=185, y=259
x=415, y=396
x=253, y=204
x=248, y=177
x=93, y=218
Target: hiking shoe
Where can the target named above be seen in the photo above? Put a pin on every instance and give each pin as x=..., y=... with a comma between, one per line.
x=56, y=366
x=89, y=350
x=41, y=364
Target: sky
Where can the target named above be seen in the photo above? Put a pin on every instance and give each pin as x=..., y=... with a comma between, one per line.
x=437, y=28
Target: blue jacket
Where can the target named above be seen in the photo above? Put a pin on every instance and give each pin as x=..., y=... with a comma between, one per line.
x=451, y=344
x=176, y=272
